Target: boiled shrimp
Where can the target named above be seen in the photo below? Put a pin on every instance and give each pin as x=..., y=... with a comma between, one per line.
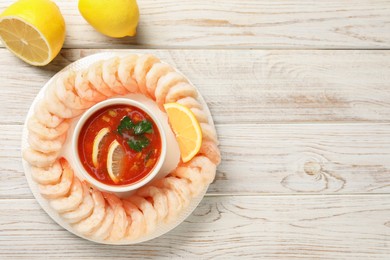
x=48, y=175
x=88, y=225
x=85, y=89
x=45, y=132
x=211, y=151
x=155, y=73
x=66, y=92
x=209, y=133
x=137, y=225
x=179, y=186
x=120, y=219
x=70, y=202
x=159, y=200
x=45, y=117
x=45, y=146
x=106, y=226
x=54, y=191
x=126, y=72
x=165, y=83
x=193, y=176
x=206, y=166
x=55, y=106
x=110, y=75
x=39, y=159
x=189, y=102
x=144, y=64
x=83, y=211
x=174, y=203
x=95, y=76
x=200, y=115
x=179, y=91
x=147, y=210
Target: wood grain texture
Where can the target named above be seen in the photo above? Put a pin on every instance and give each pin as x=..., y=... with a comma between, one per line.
x=271, y=227
x=268, y=159
x=304, y=158
x=245, y=86
x=242, y=24
x=305, y=134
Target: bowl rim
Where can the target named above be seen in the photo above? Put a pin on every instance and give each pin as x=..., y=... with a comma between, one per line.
x=127, y=187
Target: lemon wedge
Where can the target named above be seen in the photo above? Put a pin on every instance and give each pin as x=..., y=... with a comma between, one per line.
x=114, y=160
x=34, y=30
x=97, y=145
x=186, y=128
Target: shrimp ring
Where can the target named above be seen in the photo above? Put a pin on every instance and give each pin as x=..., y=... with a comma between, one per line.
x=100, y=215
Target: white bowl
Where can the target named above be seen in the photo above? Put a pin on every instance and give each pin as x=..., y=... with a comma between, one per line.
x=127, y=188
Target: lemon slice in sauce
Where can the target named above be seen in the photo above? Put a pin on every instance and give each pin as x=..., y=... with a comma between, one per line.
x=114, y=160
x=97, y=145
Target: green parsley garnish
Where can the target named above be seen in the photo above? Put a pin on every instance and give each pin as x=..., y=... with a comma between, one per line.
x=125, y=124
x=139, y=143
x=143, y=127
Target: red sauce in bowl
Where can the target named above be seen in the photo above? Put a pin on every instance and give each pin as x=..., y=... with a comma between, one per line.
x=139, y=144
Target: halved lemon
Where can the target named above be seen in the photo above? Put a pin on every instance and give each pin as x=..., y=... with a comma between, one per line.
x=186, y=128
x=114, y=160
x=34, y=30
x=97, y=143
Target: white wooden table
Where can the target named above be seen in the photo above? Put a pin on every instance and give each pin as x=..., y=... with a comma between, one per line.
x=300, y=94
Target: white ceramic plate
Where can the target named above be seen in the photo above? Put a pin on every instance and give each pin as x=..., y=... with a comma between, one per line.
x=162, y=228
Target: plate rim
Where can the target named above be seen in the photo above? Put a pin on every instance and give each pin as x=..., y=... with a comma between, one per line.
x=44, y=202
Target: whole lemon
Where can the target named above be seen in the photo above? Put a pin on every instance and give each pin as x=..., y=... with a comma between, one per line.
x=114, y=18
x=34, y=30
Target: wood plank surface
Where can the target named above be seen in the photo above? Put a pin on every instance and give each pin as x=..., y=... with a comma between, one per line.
x=330, y=24
x=268, y=159
x=300, y=94
x=272, y=227
x=245, y=86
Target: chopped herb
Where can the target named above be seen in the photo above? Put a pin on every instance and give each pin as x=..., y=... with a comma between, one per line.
x=143, y=127
x=134, y=167
x=125, y=124
x=139, y=143
x=150, y=163
x=105, y=118
x=112, y=113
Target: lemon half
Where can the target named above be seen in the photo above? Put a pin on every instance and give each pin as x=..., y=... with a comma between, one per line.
x=34, y=30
